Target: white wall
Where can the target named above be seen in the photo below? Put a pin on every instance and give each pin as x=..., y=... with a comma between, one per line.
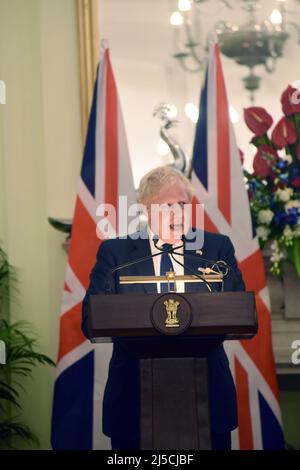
x=39, y=165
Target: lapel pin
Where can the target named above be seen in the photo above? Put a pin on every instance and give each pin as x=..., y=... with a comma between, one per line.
x=206, y=270
x=199, y=252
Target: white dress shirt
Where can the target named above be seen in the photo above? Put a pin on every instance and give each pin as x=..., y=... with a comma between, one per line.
x=179, y=270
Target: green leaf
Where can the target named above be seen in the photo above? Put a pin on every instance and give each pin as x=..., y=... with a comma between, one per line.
x=22, y=355
x=10, y=428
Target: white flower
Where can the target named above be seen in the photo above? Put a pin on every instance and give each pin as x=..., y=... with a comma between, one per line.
x=285, y=157
x=288, y=158
x=277, y=254
x=265, y=216
x=288, y=232
x=274, y=245
x=276, y=257
x=284, y=194
x=262, y=232
x=292, y=203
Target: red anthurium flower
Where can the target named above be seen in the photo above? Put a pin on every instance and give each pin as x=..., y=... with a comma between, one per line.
x=284, y=133
x=258, y=120
x=264, y=160
x=290, y=101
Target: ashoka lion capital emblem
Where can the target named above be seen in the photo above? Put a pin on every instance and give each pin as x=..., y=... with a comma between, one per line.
x=171, y=309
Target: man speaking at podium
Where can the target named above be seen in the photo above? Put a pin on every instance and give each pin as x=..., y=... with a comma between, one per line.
x=162, y=187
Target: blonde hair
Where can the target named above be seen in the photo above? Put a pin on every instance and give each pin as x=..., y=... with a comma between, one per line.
x=155, y=179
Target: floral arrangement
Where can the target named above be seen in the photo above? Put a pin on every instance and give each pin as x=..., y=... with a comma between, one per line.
x=274, y=185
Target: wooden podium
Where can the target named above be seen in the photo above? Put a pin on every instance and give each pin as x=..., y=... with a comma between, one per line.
x=172, y=334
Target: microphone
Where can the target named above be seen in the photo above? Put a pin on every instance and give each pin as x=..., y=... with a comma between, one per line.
x=107, y=287
x=219, y=263
x=172, y=251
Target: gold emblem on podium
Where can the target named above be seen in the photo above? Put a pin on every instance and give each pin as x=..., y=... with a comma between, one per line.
x=171, y=309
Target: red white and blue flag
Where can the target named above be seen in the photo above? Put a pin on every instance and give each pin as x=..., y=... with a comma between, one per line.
x=219, y=185
x=82, y=367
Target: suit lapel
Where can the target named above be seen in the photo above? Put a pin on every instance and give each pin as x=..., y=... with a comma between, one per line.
x=194, y=263
x=140, y=249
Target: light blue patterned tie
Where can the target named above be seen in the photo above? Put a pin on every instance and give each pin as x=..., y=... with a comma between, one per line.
x=165, y=266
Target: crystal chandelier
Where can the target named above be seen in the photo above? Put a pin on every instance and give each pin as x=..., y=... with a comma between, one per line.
x=253, y=43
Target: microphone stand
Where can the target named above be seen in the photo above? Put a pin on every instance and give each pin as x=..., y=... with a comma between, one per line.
x=131, y=263
x=172, y=251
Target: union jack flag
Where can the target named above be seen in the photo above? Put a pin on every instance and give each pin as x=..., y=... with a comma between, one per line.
x=82, y=367
x=218, y=181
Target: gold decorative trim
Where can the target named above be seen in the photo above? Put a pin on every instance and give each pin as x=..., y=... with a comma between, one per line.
x=89, y=53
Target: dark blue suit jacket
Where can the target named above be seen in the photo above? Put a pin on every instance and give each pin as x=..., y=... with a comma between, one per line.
x=121, y=395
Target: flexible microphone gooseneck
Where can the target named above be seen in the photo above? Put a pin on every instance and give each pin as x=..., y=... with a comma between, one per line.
x=111, y=272
x=173, y=251
x=218, y=263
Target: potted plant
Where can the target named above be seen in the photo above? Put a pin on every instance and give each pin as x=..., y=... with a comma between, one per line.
x=20, y=357
x=274, y=185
